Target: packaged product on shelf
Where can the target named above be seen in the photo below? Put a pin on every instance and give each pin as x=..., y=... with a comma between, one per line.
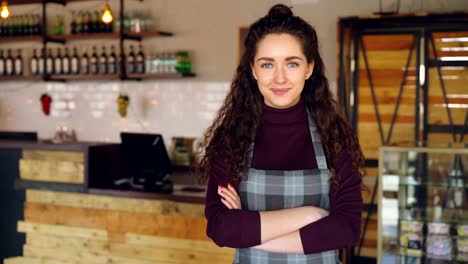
x=438, y=228
x=462, y=245
x=462, y=230
x=411, y=237
x=439, y=247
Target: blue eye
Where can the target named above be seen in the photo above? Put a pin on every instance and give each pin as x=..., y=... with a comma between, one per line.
x=267, y=65
x=293, y=65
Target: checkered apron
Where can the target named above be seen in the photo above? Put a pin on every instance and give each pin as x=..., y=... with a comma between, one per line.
x=267, y=190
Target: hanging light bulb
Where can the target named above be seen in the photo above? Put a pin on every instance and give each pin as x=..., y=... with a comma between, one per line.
x=5, y=13
x=107, y=15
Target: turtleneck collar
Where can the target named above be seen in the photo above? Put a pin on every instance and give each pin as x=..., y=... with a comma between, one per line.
x=286, y=116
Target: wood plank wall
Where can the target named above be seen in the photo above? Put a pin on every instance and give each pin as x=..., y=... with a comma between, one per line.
x=83, y=228
x=387, y=56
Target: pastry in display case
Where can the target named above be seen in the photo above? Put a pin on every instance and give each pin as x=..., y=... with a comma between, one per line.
x=423, y=205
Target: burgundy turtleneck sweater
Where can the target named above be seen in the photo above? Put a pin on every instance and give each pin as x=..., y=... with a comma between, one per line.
x=283, y=142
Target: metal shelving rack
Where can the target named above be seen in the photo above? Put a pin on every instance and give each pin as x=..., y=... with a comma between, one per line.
x=421, y=27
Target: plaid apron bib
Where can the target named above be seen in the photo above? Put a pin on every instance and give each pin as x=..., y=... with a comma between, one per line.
x=267, y=190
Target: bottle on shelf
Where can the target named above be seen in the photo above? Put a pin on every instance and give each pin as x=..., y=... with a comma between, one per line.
x=40, y=62
x=66, y=62
x=103, y=62
x=37, y=25
x=34, y=64
x=84, y=63
x=94, y=23
x=73, y=23
x=130, y=61
x=49, y=62
x=18, y=63
x=112, y=62
x=59, y=26
x=79, y=23
x=75, y=62
x=86, y=22
x=58, y=69
x=2, y=64
x=94, y=62
x=9, y=70
x=140, y=61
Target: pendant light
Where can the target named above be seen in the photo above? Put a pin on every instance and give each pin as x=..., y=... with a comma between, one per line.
x=107, y=14
x=5, y=13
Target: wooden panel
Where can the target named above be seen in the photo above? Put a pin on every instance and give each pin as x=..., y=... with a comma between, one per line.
x=53, y=155
x=118, y=221
x=173, y=243
x=116, y=203
x=52, y=171
x=386, y=59
x=439, y=115
x=30, y=227
x=31, y=260
x=388, y=42
x=168, y=255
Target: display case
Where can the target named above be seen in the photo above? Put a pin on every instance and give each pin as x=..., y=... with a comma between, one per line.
x=423, y=206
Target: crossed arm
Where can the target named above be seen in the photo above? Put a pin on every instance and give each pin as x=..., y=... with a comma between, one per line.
x=280, y=228
x=299, y=230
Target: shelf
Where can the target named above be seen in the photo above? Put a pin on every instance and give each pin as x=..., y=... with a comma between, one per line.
x=461, y=258
x=22, y=39
x=87, y=77
x=148, y=76
x=448, y=215
x=20, y=78
x=91, y=36
x=439, y=63
x=146, y=34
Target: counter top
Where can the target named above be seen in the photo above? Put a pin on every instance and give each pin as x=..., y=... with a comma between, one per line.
x=49, y=145
x=178, y=195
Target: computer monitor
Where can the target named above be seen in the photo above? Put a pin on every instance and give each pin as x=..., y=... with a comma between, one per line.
x=18, y=135
x=145, y=159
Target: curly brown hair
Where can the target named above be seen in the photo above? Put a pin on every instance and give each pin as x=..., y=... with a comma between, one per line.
x=234, y=128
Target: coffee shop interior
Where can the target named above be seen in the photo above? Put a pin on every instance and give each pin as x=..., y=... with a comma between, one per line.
x=104, y=103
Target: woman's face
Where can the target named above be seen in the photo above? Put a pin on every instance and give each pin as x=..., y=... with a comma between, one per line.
x=281, y=68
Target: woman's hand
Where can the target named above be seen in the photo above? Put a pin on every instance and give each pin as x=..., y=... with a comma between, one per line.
x=229, y=197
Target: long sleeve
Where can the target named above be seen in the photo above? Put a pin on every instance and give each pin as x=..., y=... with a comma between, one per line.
x=342, y=228
x=230, y=228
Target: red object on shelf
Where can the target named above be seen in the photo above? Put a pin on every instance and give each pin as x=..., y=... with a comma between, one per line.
x=46, y=102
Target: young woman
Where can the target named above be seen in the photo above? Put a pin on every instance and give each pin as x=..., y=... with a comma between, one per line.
x=283, y=168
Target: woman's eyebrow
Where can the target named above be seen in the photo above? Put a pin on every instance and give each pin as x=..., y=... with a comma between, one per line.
x=287, y=59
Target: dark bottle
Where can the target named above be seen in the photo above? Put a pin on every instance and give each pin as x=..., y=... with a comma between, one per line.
x=41, y=63
x=37, y=28
x=34, y=64
x=73, y=23
x=66, y=62
x=1, y=27
x=19, y=64
x=2, y=64
x=130, y=61
x=49, y=62
x=94, y=62
x=74, y=62
x=103, y=62
x=79, y=23
x=58, y=66
x=9, y=66
x=84, y=64
x=140, y=61
x=112, y=62
x=86, y=22
x=93, y=23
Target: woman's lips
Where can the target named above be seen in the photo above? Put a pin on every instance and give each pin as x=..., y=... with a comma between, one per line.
x=280, y=91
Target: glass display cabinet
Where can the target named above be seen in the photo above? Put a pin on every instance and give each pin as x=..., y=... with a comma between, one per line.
x=423, y=205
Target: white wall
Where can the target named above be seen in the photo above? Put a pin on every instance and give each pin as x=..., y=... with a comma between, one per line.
x=209, y=29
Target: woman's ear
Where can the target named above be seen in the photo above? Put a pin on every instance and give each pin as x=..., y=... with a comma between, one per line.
x=253, y=72
x=310, y=70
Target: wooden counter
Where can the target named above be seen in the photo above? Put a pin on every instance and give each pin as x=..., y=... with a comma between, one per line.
x=95, y=224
